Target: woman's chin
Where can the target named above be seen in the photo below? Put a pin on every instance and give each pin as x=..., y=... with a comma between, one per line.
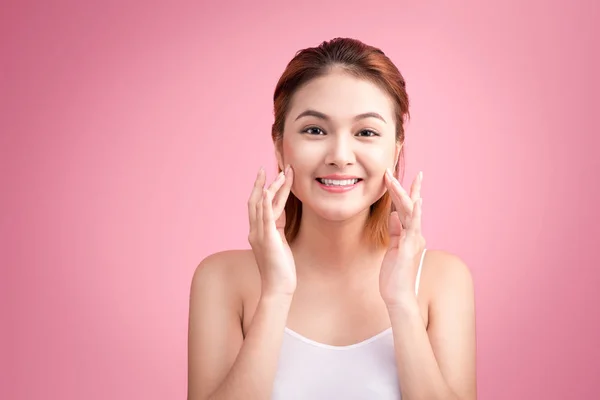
x=340, y=214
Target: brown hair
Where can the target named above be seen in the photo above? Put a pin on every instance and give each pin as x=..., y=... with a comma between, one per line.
x=364, y=62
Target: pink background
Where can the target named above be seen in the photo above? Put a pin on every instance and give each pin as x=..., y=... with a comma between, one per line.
x=130, y=136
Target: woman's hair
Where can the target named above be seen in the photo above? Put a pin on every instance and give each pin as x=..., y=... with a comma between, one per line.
x=364, y=62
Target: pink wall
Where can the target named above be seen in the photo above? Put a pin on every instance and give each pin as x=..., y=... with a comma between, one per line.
x=130, y=136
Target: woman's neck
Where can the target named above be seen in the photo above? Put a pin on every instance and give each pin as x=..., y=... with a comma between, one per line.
x=332, y=246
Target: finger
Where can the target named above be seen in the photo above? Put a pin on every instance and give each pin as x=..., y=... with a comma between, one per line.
x=394, y=229
x=276, y=184
x=280, y=224
x=415, y=223
x=282, y=195
x=399, y=204
x=255, y=195
x=259, y=215
x=415, y=189
x=400, y=193
x=267, y=211
x=400, y=198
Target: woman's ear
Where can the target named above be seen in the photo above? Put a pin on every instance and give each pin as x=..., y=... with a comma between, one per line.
x=397, y=155
x=279, y=158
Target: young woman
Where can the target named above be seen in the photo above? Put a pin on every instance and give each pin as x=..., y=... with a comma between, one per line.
x=338, y=297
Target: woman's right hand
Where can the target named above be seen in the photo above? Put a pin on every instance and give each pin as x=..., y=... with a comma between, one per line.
x=266, y=209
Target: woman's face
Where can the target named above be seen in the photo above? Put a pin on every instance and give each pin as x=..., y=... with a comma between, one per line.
x=339, y=138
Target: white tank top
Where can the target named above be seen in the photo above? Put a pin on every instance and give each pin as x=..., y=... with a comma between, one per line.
x=315, y=371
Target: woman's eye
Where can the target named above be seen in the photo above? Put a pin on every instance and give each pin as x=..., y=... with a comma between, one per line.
x=368, y=133
x=313, y=130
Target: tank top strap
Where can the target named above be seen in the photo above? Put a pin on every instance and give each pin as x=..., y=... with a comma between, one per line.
x=419, y=272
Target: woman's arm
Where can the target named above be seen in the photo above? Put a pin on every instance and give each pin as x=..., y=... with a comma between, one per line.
x=221, y=363
x=438, y=362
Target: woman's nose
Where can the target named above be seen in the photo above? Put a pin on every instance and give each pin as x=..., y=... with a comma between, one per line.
x=340, y=152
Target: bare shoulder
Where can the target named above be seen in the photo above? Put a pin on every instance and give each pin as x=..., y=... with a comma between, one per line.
x=227, y=261
x=446, y=274
x=452, y=328
x=215, y=332
x=229, y=271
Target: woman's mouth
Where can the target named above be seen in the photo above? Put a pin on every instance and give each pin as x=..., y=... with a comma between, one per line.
x=338, y=185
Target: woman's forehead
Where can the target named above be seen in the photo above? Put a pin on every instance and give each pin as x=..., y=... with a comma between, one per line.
x=341, y=96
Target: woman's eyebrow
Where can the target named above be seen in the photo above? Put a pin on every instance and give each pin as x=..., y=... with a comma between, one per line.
x=317, y=114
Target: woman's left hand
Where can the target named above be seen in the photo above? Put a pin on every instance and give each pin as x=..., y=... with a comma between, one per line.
x=397, y=278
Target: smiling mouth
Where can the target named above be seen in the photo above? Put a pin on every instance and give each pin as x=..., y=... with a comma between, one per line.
x=338, y=182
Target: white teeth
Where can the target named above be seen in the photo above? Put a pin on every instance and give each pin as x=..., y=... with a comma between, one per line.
x=333, y=182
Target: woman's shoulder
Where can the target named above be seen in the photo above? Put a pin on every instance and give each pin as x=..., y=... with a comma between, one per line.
x=446, y=271
x=230, y=270
x=447, y=279
x=227, y=259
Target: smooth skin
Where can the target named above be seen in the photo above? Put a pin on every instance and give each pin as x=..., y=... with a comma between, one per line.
x=330, y=285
